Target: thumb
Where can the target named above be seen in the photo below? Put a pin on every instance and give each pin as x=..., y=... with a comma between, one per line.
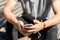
x=21, y=23
x=36, y=21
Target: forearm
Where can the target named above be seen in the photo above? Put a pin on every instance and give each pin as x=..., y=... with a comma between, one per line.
x=10, y=17
x=52, y=21
x=56, y=18
x=7, y=11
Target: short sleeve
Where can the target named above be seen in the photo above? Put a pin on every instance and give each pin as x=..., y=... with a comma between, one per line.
x=16, y=0
x=54, y=0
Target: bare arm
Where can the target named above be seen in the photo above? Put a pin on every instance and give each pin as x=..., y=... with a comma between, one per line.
x=7, y=12
x=56, y=18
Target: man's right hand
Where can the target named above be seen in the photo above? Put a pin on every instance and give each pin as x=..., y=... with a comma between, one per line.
x=20, y=27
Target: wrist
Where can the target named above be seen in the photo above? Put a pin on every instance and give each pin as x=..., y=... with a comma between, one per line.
x=17, y=24
x=43, y=25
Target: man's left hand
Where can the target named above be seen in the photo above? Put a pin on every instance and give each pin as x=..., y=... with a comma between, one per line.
x=36, y=27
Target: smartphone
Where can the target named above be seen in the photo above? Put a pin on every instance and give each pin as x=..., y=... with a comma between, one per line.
x=27, y=25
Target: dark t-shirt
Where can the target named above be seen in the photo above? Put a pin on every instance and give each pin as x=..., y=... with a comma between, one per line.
x=41, y=8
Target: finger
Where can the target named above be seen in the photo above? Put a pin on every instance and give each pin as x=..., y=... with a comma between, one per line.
x=29, y=31
x=25, y=31
x=21, y=24
x=36, y=21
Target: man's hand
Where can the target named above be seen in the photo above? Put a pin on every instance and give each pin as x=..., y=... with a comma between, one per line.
x=20, y=27
x=36, y=27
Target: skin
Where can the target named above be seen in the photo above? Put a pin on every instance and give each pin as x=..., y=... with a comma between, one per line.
x=8, y=15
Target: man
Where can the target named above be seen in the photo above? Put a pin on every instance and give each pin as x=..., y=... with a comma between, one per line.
x=37, y=8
